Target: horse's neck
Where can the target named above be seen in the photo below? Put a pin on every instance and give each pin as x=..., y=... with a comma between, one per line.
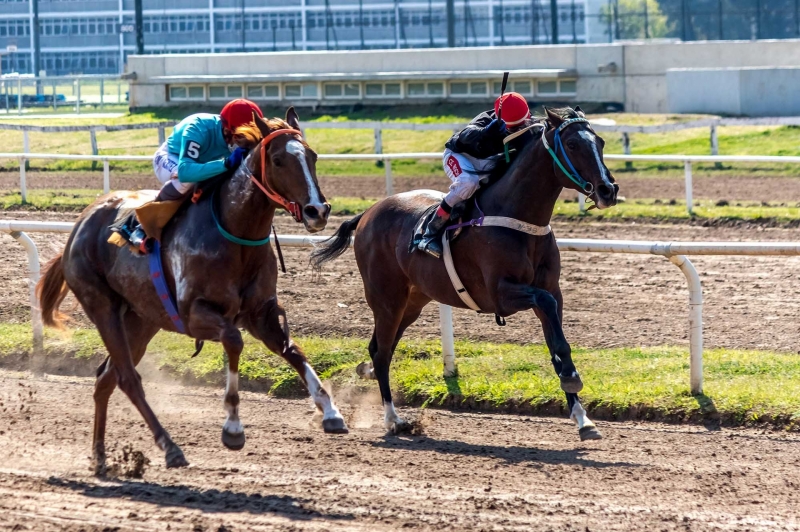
x=244, y=210
x=527, y=192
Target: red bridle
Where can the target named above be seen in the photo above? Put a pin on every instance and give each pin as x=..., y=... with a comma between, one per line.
x=293, y=207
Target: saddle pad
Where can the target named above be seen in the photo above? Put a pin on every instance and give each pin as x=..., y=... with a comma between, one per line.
x=419, y=229
x=130, y=201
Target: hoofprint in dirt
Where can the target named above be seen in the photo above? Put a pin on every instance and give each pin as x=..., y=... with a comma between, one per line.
x=610, y=300
x=467, y=472
x=725, y=186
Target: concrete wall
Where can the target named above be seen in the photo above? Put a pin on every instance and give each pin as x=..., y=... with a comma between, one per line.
x=735, y=91
x=631, y=73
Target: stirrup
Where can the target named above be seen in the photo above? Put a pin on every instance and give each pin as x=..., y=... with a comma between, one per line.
x=425, y=246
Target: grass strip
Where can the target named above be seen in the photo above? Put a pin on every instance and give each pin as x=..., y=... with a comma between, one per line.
x=75, y=200
x=741, y=387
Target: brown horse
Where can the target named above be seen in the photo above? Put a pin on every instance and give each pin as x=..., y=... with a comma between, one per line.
x=219, y=286
x=506, y=271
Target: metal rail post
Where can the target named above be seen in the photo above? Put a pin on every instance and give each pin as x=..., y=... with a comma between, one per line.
x=23, y=184
x=626, y=149
x=448, y=344
x=93, y=140
x=33, y=277
x=78, y=96
x=26, y=145
x=687, y=174
x=387, y=165
x=106, y=177
x=695, y=322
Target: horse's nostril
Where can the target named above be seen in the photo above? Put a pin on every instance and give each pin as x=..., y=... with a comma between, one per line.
x=311, y=212
x=605, y=190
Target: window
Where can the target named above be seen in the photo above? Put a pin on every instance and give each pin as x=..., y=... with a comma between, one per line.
x=392, y=89
x=522, y=87
x=568, y=86
x=477, y=88
x=306, y=90
x=459, y=88
x=177, y=93
x=255, y=91
x=333, y=90
x=272, y=92
x=378, y=90
x=234, y=91
x=216, y=91
x=374, y=89
x=547, y=87
x=436, y=89
x=196, y=93
x=416, y=89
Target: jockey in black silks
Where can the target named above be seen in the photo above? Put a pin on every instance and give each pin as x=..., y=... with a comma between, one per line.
x=470, y=156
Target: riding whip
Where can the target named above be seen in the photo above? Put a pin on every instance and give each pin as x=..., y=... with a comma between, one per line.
x=500, y=111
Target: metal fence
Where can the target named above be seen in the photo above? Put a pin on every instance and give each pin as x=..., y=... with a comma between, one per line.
x=26, y=94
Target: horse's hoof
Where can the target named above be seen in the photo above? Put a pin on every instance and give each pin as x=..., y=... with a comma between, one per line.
x=401, y=427
x=100, y=468
x=364, y=370
x=572, y=384
x=175, y=458
x=234, y=442
x=590, y=433
x=334, y=425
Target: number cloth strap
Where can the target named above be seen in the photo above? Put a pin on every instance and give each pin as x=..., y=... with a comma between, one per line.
x=160, y=284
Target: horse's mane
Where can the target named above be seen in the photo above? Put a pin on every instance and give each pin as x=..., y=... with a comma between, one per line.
x=252, y=135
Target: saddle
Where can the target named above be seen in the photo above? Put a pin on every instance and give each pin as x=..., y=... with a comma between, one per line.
x=152, y=216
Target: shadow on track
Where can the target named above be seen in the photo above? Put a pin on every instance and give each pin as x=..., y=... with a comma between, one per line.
x=207, y=501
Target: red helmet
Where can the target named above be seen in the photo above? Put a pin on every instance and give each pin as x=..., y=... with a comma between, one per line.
x=515, y=108
x=238, y=113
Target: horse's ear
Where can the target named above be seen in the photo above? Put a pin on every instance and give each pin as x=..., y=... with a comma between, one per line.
x=292, y=118
x=554, y=118
x=262, y=125
x=579, y=111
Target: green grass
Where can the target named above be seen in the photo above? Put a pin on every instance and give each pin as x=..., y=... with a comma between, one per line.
x=78, y=199
x=740, y=386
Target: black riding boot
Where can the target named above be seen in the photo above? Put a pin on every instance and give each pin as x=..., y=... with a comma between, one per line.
x=431, y=242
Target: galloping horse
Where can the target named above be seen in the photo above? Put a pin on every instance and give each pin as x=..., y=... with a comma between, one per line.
x=222, y=276
x=504, y=270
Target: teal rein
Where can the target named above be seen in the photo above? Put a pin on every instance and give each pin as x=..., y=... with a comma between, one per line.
x=573, y=176
x=230, y=237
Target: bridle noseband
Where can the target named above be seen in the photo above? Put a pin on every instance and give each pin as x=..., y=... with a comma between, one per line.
x=293, y=207
x=573, y=175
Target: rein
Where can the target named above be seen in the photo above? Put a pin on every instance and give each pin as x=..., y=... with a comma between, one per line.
x=573, y=175
x=290, y=206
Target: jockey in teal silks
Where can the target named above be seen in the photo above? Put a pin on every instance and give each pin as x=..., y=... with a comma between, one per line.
x=470, y=156
x=200, y=147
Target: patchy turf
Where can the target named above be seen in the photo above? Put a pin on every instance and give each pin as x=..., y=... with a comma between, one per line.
x=741, y=387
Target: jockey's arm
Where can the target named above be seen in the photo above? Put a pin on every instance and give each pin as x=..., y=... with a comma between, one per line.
x=477, y=138
x=189, y=169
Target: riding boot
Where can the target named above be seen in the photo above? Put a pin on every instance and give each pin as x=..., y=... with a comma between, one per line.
x=431, y=242
x=139, y=240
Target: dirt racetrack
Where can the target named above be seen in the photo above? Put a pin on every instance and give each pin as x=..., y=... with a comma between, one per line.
x=467, y=472
x=610, y=300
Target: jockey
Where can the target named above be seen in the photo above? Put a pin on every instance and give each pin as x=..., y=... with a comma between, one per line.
x=201, y=147
x=470, y=156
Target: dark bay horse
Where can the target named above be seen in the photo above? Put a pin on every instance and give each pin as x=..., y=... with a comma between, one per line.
x=505, y=271
x=218, y=285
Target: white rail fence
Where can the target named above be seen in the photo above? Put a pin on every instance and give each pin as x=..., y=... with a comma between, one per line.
x=675, y=252
x=387, y=158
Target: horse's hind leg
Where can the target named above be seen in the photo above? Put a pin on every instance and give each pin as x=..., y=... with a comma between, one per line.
x=107, y=313
x=139, y=335
x=206, y=323
x=270, y=326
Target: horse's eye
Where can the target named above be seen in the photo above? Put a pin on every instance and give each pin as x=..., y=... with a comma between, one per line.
x=276, y=162
x=572, y=145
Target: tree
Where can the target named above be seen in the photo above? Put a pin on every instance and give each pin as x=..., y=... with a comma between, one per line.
x=636, y=19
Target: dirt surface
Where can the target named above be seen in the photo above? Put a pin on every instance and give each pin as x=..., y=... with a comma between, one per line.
x=725, y=186
x=467, y=472
x=610, y=300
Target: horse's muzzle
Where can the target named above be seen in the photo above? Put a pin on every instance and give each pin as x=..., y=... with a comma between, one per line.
x=315, y=216
x=606, y=195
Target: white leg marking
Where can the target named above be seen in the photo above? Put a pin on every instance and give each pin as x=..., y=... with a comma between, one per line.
x=578, y=415
x=390, y=417
x=321, y=398
x=296, y=148
x=232, y=424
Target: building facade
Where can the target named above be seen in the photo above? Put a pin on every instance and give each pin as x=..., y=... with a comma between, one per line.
x=83, y=36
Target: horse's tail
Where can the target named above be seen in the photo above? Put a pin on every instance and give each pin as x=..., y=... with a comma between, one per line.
x=51, y=290
x=335, y=245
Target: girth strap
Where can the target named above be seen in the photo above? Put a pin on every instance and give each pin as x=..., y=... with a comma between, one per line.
x=484, y=221
x=160, y=284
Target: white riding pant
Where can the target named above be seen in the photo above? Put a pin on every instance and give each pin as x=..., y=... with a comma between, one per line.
x=165, y=166
x=466, y=173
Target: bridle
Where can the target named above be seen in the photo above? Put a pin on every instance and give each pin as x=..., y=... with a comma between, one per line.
x=573, y=175
x=293, y=207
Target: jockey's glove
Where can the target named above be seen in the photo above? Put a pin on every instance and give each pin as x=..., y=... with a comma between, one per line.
x=233, y=160
x=496, y=128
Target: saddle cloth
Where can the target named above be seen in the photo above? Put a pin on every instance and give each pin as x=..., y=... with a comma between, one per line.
x=139, y=208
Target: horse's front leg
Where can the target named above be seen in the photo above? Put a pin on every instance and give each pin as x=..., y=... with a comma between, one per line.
x=206, y=323
x=269, y=325
x=587, y=430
